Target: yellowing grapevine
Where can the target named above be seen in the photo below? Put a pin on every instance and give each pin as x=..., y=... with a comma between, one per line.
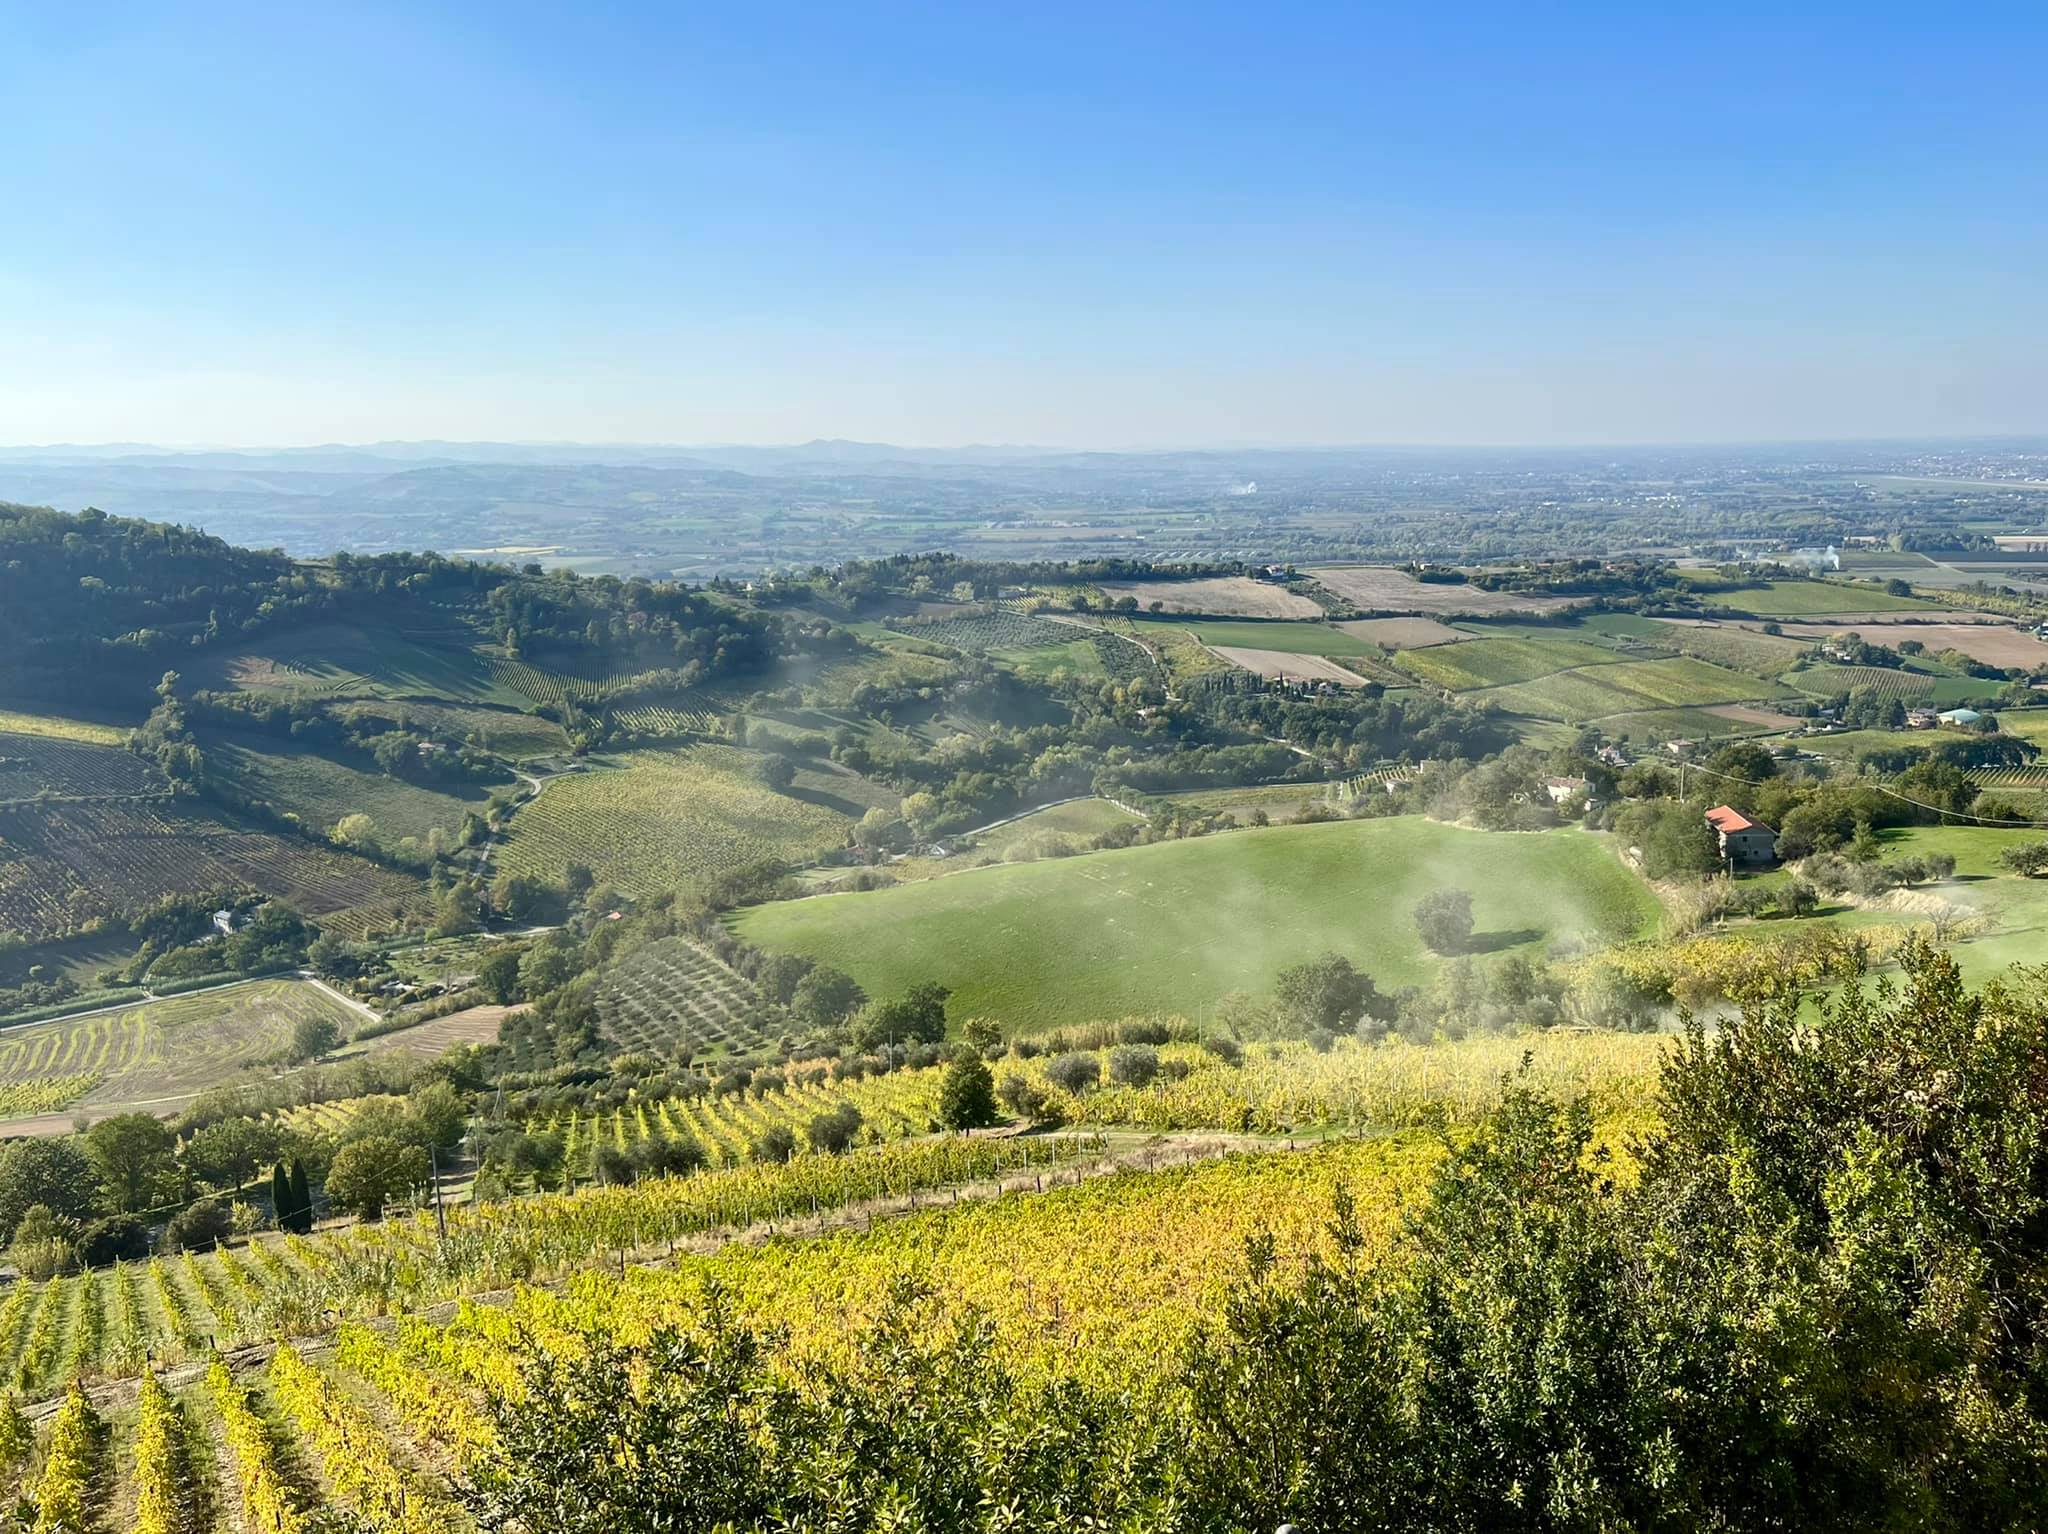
x=296, y=1374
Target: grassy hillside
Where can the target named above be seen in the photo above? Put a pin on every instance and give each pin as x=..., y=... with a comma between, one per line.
x=1173, y=926
x=320, y=790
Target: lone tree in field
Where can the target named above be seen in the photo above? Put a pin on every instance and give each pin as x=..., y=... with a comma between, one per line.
x=1444, y=919
x=967, y=1100
x=313, y=1037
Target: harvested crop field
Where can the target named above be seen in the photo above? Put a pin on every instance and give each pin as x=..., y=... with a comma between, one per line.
x=1750, y=713
x=1992, y=643
x=1403, y=633
x=1378, y=588
x=472, y=1025
x=157, y=1054
x=1277, y=665
x=71, y=769
x=1230, y=596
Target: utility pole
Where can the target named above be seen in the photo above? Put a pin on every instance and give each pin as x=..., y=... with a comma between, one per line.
x=440, y=1215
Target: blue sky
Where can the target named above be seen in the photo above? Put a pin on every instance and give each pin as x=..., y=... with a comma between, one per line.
x=1093, y=225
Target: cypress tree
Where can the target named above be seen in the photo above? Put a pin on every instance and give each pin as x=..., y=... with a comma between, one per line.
x=280, y=1195
x=302, y=1199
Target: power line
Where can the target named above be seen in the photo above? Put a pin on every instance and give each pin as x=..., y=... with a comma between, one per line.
x=1887, y=791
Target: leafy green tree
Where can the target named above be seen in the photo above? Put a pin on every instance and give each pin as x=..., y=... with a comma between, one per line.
x=280, y=1194
x=131, y=1156
x=825, y=997
x=967, y=1097
x=52, y=1172
x=371, y=1173
x=227, y=1153
x=498, y=976
x=302, y=1200
x=314, y=1036
x=527, y=899
x=199, y=1227
x=1073, y=1073
x=1133, y=1065
x=546, y=966
x=45, y=1244
x=834, y=1130
x=916, y=1017
x=1673, y=838
x=1328, y=993
x=1443, y=918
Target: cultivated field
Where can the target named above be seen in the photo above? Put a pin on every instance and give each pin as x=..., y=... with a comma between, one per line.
x=677, y=993
x=343, y=661
x=1792, y=599
x=1403, y=633
x=1992, y=643
x=1233, y=596
x=472, y=1025
x=1724, y=644
x=1378, y=588
x=57, y=727
x=1174, y=926
x=502, y=730
x=1496, y=662
x=1629, y=687
x=1278, y=665
x=157, y=1054
x=32, y=765
x=62, y=864
x=654, y=820
x=1288, y=638
x=1651, y=726
x=981, y=632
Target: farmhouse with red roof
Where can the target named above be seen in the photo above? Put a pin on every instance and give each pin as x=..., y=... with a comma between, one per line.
x=1745, y=843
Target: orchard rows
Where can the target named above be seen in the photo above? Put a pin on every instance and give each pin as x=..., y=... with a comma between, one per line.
x=729, y=1126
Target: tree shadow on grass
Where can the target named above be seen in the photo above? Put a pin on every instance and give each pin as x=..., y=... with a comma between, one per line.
x=825, y=801
x=1494, y=942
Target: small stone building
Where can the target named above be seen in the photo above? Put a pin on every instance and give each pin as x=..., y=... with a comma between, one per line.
x=1745, y=843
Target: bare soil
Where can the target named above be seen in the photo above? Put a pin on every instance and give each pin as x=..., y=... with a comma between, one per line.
x=1231, y=596
x=1290, y=668
x=1378, y=588
x=1992, y=643
x=1403, y=633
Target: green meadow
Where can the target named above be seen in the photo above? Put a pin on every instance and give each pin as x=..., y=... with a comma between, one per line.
x=1173, y=926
